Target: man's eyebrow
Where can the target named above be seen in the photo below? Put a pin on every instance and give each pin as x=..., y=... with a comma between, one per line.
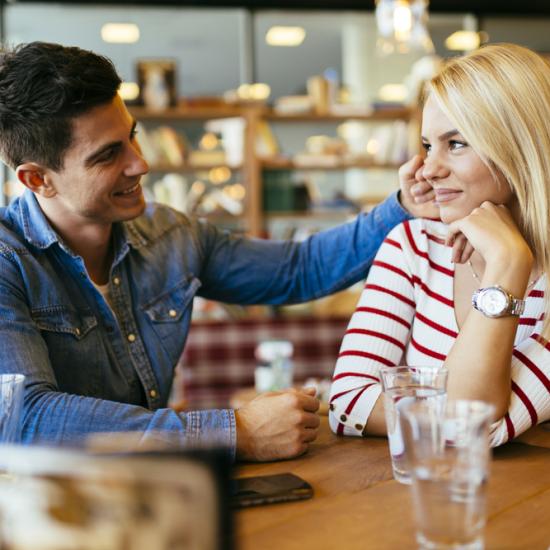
x=445, y=136
x=93, y=157
x=113, y=144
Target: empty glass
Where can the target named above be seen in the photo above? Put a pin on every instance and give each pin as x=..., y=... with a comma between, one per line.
x=448, y=454
x=11, y=402
x=402, y=385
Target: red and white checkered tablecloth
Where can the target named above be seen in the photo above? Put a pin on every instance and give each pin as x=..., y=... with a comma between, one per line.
x=219, y=356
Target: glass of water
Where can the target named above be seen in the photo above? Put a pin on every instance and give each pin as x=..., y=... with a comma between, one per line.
x=11, y=402
x=448, y=452
x=402, y=385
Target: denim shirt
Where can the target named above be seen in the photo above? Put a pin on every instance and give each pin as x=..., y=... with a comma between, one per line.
x=94, y=367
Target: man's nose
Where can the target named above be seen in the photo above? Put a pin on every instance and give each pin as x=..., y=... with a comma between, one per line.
x=137, y=165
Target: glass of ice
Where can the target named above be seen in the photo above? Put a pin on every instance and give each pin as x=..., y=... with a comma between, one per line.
x=402, y=385
x=448, y=453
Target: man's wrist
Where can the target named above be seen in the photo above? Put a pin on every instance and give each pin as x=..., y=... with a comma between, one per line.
x=401, y=205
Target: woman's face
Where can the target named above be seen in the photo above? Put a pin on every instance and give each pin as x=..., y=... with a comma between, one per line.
x=459, y=177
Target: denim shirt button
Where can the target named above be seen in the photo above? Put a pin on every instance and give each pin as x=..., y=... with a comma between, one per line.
x=77, y=332
x=172, y=313
x=116, y=281
x=152, y=393
x=131, y=337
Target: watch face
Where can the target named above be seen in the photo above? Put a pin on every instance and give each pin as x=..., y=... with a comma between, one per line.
x=493, y=302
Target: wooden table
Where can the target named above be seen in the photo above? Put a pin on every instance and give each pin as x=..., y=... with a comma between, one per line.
x=357, y=504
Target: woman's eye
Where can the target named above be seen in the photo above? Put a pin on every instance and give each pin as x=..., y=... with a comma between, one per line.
x=426, y=147
x=454, y=144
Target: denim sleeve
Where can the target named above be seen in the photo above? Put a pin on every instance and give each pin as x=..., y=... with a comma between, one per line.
x=54, y=417
x=249, y=271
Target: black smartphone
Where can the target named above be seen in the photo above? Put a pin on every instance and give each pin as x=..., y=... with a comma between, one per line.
x=252, y=491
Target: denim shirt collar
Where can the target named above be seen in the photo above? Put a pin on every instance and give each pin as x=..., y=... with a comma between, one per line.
x=36, y=227
x=39, y=232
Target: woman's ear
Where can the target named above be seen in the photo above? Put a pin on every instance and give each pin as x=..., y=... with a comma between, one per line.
x=34, y=177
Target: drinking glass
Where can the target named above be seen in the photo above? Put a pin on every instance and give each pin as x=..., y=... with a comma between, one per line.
x=11, y=402
x=448, y=453
x=402, y=385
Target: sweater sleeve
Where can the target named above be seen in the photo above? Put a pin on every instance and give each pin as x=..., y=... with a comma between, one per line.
x=530, y=395
x=376, y=336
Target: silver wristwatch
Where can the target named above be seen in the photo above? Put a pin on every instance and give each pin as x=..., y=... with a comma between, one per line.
x=494, y=301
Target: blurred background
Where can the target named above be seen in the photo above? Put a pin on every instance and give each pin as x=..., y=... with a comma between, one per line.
x=274, y=119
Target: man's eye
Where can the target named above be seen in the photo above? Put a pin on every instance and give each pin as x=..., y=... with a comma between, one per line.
x=106, y=156
x=134, y=133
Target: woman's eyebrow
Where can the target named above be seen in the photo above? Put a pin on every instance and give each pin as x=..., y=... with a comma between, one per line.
x=444, y=136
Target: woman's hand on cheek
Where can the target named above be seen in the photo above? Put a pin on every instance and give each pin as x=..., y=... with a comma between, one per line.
x=491, y=231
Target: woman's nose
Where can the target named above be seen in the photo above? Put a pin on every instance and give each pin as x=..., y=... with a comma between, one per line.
x=434, y=168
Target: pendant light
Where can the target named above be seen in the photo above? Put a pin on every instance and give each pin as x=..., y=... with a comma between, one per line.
x=402, y=27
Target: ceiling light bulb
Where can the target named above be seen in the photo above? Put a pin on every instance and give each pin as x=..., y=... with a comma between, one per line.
x=285, y=36
x=128, y=91
x=120, y=33
x=393, y=92
x=463, y=41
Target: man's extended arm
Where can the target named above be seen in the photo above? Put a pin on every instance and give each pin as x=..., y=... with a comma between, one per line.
x=252, y=271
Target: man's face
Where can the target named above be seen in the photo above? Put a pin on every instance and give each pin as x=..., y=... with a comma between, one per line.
x=100, y=179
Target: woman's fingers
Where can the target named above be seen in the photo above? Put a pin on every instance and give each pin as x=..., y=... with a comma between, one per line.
x=459, y=245
x=467, y=252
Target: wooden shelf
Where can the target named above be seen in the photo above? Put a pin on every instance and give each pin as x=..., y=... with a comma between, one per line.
x=186, y=113
x=190, y=169
x=278, y=164
x=393, y=113
x=226, y=111
x=252, y=168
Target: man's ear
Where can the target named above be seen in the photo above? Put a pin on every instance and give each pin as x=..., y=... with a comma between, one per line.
x=35, y=177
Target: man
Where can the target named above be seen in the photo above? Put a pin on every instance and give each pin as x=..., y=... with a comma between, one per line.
x=96, y=287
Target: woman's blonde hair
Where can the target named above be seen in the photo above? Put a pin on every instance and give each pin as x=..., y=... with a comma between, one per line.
x=498, y=98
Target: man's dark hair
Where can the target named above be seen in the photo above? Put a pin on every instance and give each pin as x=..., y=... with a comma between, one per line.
x=42, y=88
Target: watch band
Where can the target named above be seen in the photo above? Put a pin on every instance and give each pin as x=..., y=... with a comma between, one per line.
x=514, y=306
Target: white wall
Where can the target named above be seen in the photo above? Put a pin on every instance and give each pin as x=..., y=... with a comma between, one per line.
x=205, y=42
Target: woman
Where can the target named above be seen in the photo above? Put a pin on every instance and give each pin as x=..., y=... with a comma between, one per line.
x=486, y=134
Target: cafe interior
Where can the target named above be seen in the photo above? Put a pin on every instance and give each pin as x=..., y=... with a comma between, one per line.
x=276, y=120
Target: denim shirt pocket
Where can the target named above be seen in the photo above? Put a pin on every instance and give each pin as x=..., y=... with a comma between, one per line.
x=70, y=336
x=64, y=320
x=168, y=313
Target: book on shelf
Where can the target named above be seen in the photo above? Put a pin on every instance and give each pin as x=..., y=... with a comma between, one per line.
x=199, y=157
x=147, y=144
x=350, y=109
x=293, y=105
x=266, y=144
x=171, y=144
x=320, y=160
x=163, y=145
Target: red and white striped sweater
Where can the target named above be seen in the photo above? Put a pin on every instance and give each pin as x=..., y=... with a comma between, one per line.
x=406, y=316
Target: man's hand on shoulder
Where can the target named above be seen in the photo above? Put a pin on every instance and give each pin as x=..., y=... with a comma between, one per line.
x=417, y=195
x=277, y=425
